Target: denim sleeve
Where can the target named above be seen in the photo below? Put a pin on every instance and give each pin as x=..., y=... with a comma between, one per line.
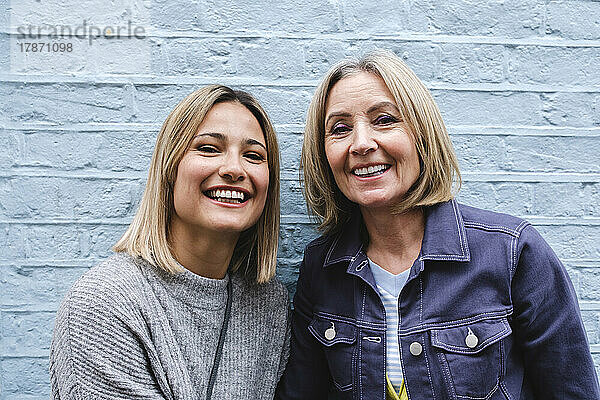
x=306, y=375
x=548, y=326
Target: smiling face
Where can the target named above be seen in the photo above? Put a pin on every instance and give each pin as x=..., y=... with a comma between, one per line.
x=223, y=177
x=370, y=150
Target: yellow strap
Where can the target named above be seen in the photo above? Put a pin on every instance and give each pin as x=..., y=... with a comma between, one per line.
x=391, y=392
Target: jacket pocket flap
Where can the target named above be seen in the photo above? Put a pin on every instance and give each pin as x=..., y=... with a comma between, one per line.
x=472, y=338
x=330, y=332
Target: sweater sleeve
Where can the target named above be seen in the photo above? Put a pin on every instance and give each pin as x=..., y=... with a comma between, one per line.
x=285, y=351
x=97, y=350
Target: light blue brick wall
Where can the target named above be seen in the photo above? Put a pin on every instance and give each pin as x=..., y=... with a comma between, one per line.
x=518, y=84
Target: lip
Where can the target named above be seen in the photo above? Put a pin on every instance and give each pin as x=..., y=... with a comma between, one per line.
x=247, y=195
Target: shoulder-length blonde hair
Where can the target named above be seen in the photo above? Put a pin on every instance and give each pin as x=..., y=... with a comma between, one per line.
x=148, y=233
x=439, y=167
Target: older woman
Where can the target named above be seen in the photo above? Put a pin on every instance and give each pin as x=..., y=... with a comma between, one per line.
x=188, y=307
x=409, y=294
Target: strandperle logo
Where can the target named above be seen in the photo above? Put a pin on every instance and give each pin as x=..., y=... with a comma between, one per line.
x=82, y=31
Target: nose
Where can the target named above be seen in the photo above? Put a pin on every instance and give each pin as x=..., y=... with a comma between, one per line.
x=231, y=169
x=362, y=140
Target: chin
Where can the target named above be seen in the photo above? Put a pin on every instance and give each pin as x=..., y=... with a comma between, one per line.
x=375, y=202
x=222, y=223
x=232, y=228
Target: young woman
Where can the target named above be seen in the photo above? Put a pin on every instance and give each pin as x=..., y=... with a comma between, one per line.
x=189, y=307
x=409, y=294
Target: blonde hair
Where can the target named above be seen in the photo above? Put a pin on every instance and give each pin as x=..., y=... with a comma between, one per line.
x=439, y=166
x=148, y=234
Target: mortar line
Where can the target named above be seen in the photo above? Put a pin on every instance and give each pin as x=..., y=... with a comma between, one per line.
x=292, y=176
x=393, y=37
x=475, y=130
x=287, y=219
x=181, y=80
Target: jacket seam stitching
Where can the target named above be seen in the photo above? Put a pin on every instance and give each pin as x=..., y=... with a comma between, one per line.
x=341, y=388
x=486, y=397
x=459, y=322
x=362, y=314
x=353, y=377
x=459, y=349
x=505, y=390
x=446, y=373
x=516, y=239
x=428, y=370
x=421, y=300
x=318, y=241
x=502, y=368
x=401, y=364
x=424, y=347
x=492, y=228
x=444, y=257
x=353, y=322
x=327, y=260
x=317, y=336
x=461, y=230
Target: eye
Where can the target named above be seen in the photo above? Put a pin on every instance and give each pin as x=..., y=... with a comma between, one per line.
x=207, y=148
x=339, y=129
x=254, y=157
x=385, y=120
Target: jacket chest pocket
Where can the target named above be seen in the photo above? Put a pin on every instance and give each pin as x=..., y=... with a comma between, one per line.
x=471, y=357
x=339, y=341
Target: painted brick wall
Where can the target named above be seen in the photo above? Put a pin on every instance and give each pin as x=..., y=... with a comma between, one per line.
x=518, y=84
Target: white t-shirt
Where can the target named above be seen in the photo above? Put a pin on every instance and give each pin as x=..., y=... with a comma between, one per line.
x=389, y=286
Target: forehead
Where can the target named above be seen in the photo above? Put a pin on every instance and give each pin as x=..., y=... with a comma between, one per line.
x=358, y=89
x=233, y=120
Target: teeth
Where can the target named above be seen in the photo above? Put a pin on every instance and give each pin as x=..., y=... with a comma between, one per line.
x=369, y=170
x=226, y=200
x=223, y=195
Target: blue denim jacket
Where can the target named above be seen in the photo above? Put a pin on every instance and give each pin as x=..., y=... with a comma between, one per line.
x=488, y=312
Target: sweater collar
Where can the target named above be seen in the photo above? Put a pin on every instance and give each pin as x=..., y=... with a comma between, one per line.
x=194, y=290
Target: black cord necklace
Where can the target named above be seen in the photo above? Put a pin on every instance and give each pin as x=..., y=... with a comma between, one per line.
x=215, y=366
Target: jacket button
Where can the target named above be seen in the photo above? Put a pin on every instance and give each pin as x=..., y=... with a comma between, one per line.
x=416, y=349
x=330, y=332
x=471, y=340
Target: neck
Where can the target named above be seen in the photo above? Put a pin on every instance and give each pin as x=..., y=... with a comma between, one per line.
x=394, y=239
x=204, y=253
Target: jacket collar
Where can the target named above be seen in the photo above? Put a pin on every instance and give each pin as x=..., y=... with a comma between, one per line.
x=444, y=237
x=347, y=244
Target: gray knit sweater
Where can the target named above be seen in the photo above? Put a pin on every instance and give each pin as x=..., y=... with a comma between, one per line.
x=129, y=330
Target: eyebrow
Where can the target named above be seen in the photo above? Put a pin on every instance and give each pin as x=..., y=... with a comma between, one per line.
x=251, y=142
x=215, y=135
x=336, y=114
x=223, y=138
x=383, y=104
x=375, y=107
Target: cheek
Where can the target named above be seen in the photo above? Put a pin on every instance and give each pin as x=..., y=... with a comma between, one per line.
x=181, y=192
x=414, y=160
x=261, y=181
x=187, y=183
x=412, y=165
x=190, y=173
x=335, y=157
x=404, y=151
